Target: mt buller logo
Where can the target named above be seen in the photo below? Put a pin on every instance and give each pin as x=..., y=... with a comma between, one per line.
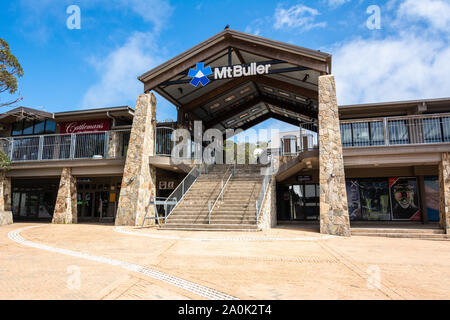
x=200, y=75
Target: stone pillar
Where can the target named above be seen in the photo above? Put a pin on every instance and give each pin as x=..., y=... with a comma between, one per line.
x=66, y=200
x=139, y=178
x=5, y=200
x=334, y=218
x=114, y=145
x=444, y=192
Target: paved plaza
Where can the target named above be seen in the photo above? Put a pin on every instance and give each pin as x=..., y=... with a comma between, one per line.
x=94, y=261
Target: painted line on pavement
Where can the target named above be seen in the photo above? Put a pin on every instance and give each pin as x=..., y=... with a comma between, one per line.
x=166, y=237
x=192, y=287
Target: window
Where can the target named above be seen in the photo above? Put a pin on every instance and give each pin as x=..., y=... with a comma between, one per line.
x=17, y=128
x=28, y=127
x=446, y=128
x=432, y=130
x=361, y=134
x=377, y=133
x=39, y=127
x=346, y=134
x=398, y=132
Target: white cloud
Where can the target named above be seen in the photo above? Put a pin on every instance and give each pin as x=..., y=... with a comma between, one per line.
x=434, y=12
x=298, y=16
x=410, y=63
x=154, y=11
x=408, y=67
x=337, y=3
x=118, y=72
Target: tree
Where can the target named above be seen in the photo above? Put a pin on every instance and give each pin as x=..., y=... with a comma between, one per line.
x=10, y=71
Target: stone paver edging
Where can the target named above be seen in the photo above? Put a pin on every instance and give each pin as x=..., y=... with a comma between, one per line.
x=167, y=237
x=194, y=288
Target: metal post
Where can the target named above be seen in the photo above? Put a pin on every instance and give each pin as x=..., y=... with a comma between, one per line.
x=106, y=146
x=11, y=149
x=41, y=146
x=72, y=145
x=386, y=131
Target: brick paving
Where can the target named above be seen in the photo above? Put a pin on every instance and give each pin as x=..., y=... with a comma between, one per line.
x=334, y=268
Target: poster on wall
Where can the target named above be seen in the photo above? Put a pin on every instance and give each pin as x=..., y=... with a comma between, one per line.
x=374, y=199
x=432, y=197
x=353, y=199
x=404, y=199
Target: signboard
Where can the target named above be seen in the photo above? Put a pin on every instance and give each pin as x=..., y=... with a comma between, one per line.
x=85, y=126
x=304, y=178
x=200, y=73
x=353, y=199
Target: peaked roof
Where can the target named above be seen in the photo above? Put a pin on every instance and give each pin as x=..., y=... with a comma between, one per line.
x=313, y=59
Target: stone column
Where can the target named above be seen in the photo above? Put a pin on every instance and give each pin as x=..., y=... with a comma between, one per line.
x=66, y=200
x=5, y=200
x=114, y=145
x=334, y=218
x=139, y=178
x=444, y=192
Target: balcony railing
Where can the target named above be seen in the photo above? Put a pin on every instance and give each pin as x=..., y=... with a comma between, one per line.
x=90, y=145
x=394, y=131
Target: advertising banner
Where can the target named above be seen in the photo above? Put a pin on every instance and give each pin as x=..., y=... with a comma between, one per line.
x=353, y=199
x=374, y=199
x=404, y=199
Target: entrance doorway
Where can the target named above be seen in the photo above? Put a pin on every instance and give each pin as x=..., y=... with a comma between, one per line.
x=97, y=198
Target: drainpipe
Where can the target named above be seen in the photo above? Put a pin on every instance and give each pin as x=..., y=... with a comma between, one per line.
x=111, y=117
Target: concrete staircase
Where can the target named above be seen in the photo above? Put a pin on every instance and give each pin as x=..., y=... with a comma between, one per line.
x=429, y=232
x=237, y=210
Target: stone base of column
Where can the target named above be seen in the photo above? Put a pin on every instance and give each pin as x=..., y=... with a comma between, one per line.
x=444, y=192
x=66, y=201
x=334, y=218
x=6, y=218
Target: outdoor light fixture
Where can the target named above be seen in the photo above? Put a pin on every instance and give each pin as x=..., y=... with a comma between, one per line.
x=333, y=175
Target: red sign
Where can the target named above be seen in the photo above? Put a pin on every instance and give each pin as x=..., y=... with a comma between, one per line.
x=85, y=126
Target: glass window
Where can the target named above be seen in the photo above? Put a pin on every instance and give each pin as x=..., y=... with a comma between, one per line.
x=50, y=126
x=446, y=128
x=39, y=127
x=432, y=130
x=398, y=132
x=361, y=134
x=17, y=128
x=377, y=133
x=28, y=127
x=346, y=134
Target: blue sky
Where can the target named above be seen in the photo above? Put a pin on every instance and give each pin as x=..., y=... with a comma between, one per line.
x=97, y=66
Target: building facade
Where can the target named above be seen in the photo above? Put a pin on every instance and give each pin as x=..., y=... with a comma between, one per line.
x=384, y=162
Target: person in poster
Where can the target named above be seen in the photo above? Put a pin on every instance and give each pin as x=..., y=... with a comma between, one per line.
x=404, y=199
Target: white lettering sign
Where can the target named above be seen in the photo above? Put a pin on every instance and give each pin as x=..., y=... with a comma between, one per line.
x=241, y=71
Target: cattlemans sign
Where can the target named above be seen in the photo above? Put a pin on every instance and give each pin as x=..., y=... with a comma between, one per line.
x=200, y=74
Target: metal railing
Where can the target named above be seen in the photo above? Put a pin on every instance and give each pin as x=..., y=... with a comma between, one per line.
x=89, y=145
x=222, y=189
x=265, y=185
x=406, y=130
x=180, y=191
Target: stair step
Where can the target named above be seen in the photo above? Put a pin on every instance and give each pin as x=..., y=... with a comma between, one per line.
x=206, y=226
x=397, y=230
x=405, y=235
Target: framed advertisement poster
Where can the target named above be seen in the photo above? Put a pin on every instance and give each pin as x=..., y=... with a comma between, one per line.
x=374, y=199
x=404, y=199
x=353, y=199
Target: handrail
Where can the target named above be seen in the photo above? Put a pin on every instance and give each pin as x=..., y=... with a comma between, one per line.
x=184, y=186
x=211, y=208
x=262, y=194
